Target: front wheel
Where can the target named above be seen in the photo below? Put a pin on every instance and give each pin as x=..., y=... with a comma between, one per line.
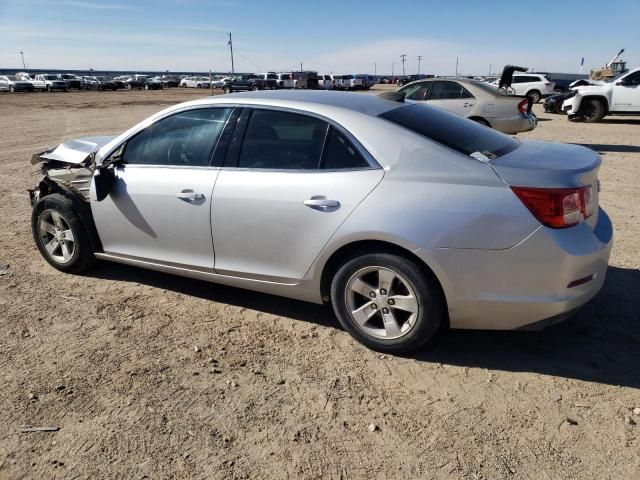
x=591, y=110
x=60, y=234
x=12, y=89
x=387, y=302
x=255, y=88
x=226, y=89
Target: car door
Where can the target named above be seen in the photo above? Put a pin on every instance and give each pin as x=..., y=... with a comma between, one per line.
x=289, y=181
x=451, y=96
x=4, y=83
x=160, y=204
x=625, y=95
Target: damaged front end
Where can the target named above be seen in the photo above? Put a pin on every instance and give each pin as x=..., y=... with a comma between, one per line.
x=69, y=167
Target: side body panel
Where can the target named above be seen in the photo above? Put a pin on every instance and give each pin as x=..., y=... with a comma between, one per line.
x=143, y=217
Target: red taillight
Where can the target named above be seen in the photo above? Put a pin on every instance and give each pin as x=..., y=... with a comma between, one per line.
x=523, y=106
x=557, y=207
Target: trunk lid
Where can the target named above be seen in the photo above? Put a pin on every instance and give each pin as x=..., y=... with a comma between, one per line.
x=550, y=165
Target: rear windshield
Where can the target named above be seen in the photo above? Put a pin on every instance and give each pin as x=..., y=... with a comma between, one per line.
x=465, y=136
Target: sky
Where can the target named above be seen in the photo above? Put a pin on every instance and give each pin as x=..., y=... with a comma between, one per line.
x=344, y=36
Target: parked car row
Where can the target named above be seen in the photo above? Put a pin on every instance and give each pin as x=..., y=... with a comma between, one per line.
x=24, y=82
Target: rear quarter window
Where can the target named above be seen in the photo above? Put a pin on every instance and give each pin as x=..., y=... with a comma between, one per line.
x=457, y=133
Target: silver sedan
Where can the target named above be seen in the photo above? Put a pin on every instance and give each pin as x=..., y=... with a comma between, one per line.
x=478, y=101
x=405, y=218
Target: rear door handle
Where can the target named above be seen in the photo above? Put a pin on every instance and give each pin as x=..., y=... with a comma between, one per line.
x=321, y=203
x=190, y=196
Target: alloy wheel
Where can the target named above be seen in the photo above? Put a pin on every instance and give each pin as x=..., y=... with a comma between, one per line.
x=381, y=302
x=56, y=236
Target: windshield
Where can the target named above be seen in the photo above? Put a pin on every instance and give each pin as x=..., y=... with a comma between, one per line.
x=272, y=76
x=616, y=78
x=51, y=77
x=460, y=134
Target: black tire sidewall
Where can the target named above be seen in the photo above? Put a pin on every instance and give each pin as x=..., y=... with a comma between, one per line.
x=83, y=256
x=430, y=315
x=534, y=95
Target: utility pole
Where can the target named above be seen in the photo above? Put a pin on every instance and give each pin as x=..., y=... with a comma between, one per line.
x=419, y=60
x=393, y=65
x=24, y=65
x=456, y=66
x=301, y=66
x=230, y=43
x=375, y=69
x=403, y=57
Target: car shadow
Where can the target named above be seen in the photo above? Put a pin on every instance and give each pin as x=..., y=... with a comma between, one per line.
x=598, y=344
x=624, y=121
x=602, y=148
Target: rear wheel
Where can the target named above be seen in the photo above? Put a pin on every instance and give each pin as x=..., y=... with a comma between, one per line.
x=591, y=110
x=534, y=95
x=255, y=88
x=226, y=89
x=49, y=88
x=387, y=302
x=60, y=234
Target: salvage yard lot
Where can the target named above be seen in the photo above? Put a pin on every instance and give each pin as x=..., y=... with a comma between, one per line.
x=153, y=376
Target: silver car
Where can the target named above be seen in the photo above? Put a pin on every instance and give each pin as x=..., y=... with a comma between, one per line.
x=405, y=218
x=474, y=100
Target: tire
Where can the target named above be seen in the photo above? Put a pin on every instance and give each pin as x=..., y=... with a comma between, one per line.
x=146, y=87
x=407, y=331
x=226, y=89
x=129, y=87
x=534, y=95
x=558, y=109
x=12, y=89
x=255, y=88
x=58, y=214
x=591, y=110
x=49, y=88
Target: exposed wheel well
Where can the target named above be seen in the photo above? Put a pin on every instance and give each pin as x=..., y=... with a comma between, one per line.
x=363, y=247
x=82, y=207
x=481, y=120
x=599, y=98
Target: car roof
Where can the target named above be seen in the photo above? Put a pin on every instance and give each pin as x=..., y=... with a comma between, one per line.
x=308, y=99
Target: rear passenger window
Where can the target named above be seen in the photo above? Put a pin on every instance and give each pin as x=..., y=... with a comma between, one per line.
x=282, y=140
x=341, y=154
x=445, y=91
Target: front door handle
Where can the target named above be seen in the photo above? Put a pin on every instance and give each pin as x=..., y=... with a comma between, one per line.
x=321, y=203
x=190, y=196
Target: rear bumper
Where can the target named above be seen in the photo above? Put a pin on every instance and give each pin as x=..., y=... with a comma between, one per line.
x=521, y=122
x=519, y=287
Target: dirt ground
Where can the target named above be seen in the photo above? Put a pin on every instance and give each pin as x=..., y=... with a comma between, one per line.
x=153, y=376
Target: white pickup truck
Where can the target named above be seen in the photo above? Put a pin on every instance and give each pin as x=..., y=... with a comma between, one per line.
x=49, y=83
x=618, y=96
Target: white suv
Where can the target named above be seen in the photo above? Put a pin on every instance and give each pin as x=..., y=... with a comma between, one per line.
x=533, y=85
x=618, y=96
